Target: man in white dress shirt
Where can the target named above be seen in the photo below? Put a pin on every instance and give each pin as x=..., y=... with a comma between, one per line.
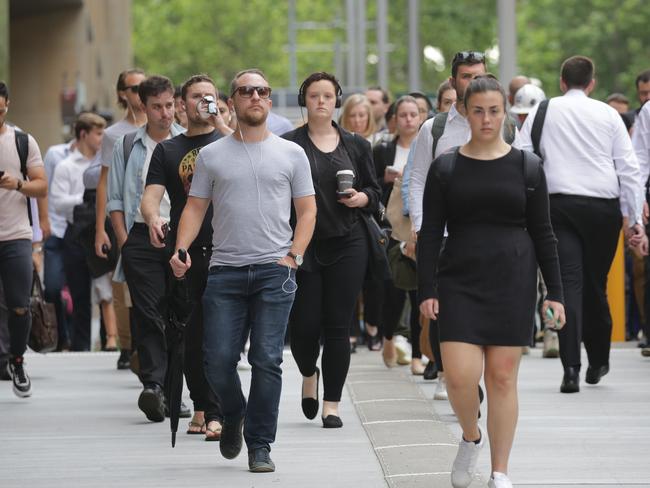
x=594, y=181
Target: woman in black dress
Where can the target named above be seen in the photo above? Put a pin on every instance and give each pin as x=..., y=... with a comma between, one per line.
x=483, y=290
x=332, y=273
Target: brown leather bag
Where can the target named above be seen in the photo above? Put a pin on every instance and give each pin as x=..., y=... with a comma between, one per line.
x=44, y=334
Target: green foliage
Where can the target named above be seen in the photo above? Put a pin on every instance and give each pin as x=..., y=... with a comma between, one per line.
x=182, y=37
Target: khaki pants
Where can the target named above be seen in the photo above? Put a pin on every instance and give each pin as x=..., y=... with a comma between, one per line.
x=122, y=303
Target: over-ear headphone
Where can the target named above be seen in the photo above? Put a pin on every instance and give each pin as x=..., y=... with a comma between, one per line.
x=302, y=92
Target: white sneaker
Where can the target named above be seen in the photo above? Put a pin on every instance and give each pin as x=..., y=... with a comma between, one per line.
x=551, y=344
x=243, y=364
x=441, y=389
x=462, y=471
x=499, y=480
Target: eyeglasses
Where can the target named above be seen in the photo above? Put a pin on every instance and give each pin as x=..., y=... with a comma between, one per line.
x=468, y=56
x=246, y=91
x=133, y=88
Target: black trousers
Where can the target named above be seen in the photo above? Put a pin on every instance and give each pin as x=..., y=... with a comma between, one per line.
x=587, y=230
x=147, y=273
x=323, y=305
x=200, y=392
x=78, y=278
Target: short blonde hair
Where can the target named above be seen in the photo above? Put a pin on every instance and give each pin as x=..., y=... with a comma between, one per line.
x=351, y=102
x=87, y=121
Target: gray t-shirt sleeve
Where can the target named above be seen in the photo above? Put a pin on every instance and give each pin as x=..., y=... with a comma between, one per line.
x=301, y=182
x=201, y=180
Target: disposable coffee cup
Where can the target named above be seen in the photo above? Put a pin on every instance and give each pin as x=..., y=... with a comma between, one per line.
x=344, y=180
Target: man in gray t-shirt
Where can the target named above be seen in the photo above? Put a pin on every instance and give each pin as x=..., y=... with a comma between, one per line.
x=251, y=177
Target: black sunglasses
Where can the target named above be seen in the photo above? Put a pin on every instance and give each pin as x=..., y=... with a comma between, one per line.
x=246, y=91
x=468, y=56
x=133, y=88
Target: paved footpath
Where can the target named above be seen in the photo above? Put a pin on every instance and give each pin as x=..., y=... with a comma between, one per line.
x=82, y=428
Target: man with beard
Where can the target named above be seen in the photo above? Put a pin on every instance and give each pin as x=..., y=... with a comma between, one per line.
x=171, y=170
x=252, y=177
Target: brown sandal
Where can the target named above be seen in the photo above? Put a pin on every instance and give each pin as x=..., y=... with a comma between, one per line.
x=193, y=425
x=214, y=433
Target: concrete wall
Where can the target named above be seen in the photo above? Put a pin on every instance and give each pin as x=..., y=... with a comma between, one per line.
x=80, y=47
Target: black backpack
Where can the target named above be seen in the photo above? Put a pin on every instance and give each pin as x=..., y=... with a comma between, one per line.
x=538, y=125
x=22, y=146
x=444, y=166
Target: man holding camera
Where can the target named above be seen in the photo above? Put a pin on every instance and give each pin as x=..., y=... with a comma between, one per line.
x=144, y=267
x=171, y=169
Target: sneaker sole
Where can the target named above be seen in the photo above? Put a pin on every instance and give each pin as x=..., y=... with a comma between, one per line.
x=150, y=406
x=262, y=469
x=22, y=394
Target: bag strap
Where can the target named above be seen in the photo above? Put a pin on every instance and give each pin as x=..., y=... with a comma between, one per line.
x=532, y=171
x=444, y=166
x=538, y=125
x=437, y=129
x=22, y=146
x=37, y=286
x=129, y=140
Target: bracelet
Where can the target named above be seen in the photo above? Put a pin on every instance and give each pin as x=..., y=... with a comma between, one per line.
x=37, y=250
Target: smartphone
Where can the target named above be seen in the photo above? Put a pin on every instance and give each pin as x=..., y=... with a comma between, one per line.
x=342, y=195
x=165, y=231
x=392, y=169
x=551, y=322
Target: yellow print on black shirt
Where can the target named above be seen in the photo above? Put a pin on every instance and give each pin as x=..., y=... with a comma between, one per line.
x=186, y=168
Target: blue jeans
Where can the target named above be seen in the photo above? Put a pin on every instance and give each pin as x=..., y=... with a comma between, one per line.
x=54, y=280
x=16, y=273
x=236, y=298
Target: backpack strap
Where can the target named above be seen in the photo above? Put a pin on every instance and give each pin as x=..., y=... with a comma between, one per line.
x=510, y=129
x=437, y=129
x=532, y=171
x=22, y=146
x=538, y=125
x=444, y=166
x=129, y=140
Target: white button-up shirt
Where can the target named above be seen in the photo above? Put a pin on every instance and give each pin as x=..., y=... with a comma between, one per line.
x=641, y=141
x=588, y=152
x=67, y=189
x=457, y=132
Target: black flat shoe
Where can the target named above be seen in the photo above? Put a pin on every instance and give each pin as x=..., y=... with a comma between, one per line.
x=595, y=373
x=310, y=405
x=430, y=371
x=571, y=380
x=373, y=342
x=332, y=422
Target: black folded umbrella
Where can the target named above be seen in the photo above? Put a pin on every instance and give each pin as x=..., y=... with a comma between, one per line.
x=181, y=304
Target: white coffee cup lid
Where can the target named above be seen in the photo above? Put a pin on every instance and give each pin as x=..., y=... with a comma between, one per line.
x=345, y=172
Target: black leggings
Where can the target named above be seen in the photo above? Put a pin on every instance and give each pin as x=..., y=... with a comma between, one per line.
x=394, y=300
x=324, y=303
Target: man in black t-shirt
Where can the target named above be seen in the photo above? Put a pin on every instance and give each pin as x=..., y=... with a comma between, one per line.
x=171, y=169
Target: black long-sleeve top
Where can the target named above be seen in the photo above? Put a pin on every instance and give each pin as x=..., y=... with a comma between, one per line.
x=486, y=192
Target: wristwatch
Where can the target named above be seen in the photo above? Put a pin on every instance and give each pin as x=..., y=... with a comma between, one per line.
x=296, y=257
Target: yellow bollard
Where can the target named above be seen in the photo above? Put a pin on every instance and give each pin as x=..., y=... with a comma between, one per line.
x=616, y=292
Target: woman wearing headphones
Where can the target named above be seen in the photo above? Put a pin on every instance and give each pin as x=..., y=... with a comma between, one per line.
x=334, y=266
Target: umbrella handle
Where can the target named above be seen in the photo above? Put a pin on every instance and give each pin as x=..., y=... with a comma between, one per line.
x=182, y=255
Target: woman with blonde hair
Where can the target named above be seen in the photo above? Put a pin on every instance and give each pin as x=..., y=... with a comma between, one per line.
x=357, y=117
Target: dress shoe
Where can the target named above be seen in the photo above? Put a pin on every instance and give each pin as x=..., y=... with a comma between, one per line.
x=152, y=403
x=310, y=405
x=571, y=380
x=332, y=422
x=430, y=371
x=124, y=361
x=595, y=373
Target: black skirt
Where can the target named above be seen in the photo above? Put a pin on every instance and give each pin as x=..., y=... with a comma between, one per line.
x=487, y=286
